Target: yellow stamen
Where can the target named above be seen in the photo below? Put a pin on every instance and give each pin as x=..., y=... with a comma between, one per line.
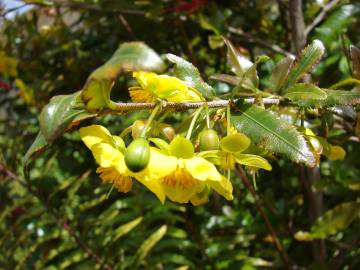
x=110, y=175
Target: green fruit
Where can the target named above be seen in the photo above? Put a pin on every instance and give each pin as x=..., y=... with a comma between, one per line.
x=137, y=155
x=137, y=128
x=209, y=140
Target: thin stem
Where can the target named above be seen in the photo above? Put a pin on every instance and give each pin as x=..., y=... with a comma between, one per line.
x=228, y=120
x=193, y=121
x=151, y=118
x=284, y=257
x=207, y=116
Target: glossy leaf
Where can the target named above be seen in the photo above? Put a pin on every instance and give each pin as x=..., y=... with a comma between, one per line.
x=275, y=135
x=304, y=91
x=59, y=113
x=130, y=56
x=187, y=72
x=309, y=57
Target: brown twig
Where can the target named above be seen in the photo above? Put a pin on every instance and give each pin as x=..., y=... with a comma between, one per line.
x=124, y=107
x=262, y=43
x=320, y=16
x=127, y=26
x=284, y=257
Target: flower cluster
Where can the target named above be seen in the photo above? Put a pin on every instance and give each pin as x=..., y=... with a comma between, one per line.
x=170, y=167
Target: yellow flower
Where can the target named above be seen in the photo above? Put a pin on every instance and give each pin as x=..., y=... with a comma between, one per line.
x=108, y=153
x=191, y=176
x=153, y=87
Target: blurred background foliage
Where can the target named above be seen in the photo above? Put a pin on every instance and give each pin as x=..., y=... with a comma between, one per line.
x=64, y=219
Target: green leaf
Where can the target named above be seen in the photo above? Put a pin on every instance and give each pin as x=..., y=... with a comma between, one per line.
x=122, y=230
x=336, y=219
x=335, y=97
x=275, y=135
x=281, y=72
x=37, y=147
x=187, y=72
x=355, y=61
x=309, y=57
x=148, y=244
x=59, y=113
x=240, y=65
x=130, y=56
x=337, y=23
x=304, y=91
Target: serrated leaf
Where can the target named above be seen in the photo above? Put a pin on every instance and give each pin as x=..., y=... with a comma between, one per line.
x=355, y=61
x=272, y=133
x=148, y=244
x=280, y=72
x=187, y=72
x=309, y=57
x=335, y=97
x=58, y=114
x=336, y=219
x=304, y=91
x=130, y=56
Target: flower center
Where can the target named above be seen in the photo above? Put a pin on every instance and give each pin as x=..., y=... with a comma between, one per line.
x=180, y=178
x=110, y=175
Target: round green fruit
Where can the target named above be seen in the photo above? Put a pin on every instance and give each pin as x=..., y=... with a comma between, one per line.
x=208, y=140
x=137, y=155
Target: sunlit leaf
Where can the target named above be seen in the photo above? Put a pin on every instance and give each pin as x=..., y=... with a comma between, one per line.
x=308, y=58
x=304, y=91
x=187, y=72
x=272, y=133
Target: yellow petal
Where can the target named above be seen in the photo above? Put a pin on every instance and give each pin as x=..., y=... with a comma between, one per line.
x=142, y=77
x=200, y=198
x=201, y=169
x=107, y=156
x=253, y=161
x=94, y=134
x=160, y=165
x=223, y=187
x=154, y=186
x=336, y=153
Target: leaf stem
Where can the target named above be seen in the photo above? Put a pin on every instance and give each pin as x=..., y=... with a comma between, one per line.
x=151, y=118
x=193, y=121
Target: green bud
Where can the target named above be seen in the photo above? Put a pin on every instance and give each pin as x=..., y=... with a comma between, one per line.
x=137, y=155
x=208, y=140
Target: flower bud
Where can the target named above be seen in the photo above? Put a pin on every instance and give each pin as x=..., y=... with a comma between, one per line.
x=168, y=133
x=208, y=140
x=137, y=155
x=137, y=128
